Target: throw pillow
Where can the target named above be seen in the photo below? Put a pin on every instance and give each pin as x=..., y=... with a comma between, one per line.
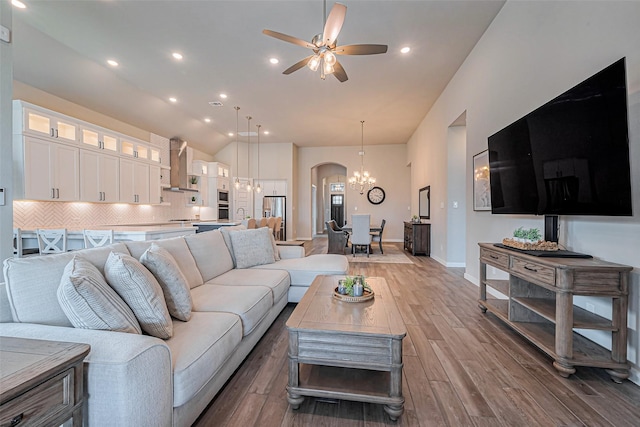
x=174, y=285
x=141, y=291
x=90, y=303
x=227, y=239
x=252, y=247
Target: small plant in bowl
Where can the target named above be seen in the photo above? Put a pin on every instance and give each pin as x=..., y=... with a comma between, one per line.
x=193, y=180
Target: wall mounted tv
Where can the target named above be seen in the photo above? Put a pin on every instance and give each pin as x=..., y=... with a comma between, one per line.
x=568, y=157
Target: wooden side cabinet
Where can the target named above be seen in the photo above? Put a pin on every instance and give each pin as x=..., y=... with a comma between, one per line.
x=539, y=306
x=417, y=238
x=41, y=382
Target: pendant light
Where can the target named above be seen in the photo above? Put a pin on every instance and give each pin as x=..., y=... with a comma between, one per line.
x=361, y=181
x=236, y=184
x=249, y=188
x=258, y=187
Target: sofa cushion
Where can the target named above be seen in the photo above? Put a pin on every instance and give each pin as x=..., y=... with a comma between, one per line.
x=32, y=283
x=303, y=270
x=178, y=248
x=252, y=247
x=174, y=285
x=199, y=348
x=141, y=291
x=251, y=303
x=227, y=239
x=277, y=280
x=210, y=253
x=90, y=303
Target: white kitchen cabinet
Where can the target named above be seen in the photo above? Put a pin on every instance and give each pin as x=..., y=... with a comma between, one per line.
x=136, y=149
x=99, y=177
x=217, y=169
x=273, y=187
x=43, y=123
x=134, y=181
x=99, y=138
x=50, y=170
x=199, y=168
x=155, y=189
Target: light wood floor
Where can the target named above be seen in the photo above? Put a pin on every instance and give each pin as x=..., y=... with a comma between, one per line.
x=461, y=368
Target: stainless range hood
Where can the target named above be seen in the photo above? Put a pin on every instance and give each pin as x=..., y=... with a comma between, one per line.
x=178, y=162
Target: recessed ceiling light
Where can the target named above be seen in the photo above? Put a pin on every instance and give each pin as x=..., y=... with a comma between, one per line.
x=176, y=55
x=112, y=62
x=266, y=132
x=230, y=134
x=208, y=120
x=405, y=49
x=223, y=95
x=172, y=99
x=18, y=4
x=274, y=60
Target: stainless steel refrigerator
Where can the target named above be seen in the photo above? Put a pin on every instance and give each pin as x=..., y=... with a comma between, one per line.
x=276, y=206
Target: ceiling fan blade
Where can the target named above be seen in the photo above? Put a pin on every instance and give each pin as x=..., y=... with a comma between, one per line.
x=339, y=72
x=334, y=24
x=297, y=65
x=289, y=39
x=360, y=49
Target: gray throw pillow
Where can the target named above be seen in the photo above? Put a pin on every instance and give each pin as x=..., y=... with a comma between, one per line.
x=90, y=303
x=252, y=247
x=141, y=291
x=174, y=285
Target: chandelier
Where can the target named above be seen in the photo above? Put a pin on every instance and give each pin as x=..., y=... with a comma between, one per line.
x=361, y=181
x=258, y=188
x=237, y=181
x=249, y=187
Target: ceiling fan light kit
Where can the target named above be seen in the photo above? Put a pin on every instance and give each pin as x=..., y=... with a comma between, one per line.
x=324, y=46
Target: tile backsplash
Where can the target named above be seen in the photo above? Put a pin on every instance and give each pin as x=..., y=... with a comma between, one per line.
x=76, y=215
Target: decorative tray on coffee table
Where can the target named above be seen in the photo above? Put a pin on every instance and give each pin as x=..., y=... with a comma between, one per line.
x=366, y=296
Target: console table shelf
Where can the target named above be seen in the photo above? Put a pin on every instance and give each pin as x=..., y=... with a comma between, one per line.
x=539, y=306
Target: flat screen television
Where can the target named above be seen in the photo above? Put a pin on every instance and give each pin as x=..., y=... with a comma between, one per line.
x=569, y=156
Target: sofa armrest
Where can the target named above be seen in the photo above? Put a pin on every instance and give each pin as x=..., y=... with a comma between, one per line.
x=128, y=378
x=288, y=252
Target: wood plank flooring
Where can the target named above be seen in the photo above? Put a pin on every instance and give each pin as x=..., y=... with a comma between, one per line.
x=461, y=368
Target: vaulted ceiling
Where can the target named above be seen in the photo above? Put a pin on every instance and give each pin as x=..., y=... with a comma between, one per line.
x=62, y=47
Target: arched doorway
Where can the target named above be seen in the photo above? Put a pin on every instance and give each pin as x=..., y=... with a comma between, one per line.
x=328, y=184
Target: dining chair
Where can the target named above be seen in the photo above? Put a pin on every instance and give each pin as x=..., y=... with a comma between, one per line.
x=338, y=239
x=52, y=241
x=262, y=223
x=271, y=223
x=277, y=230
x=17, y=242
x=360, y=234
x=97, y=238
x=377, y=236
x=251, y=223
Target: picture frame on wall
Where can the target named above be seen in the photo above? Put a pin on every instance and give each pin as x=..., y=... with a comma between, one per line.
x=481, y=182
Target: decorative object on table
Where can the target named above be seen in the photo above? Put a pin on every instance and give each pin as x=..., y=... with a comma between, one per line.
x=530, y=240
x=415, y=219
x=324, y=46
x=376, y=195
x=353, y=289
x=481, y=184
x=361, y=180
x=424, y=202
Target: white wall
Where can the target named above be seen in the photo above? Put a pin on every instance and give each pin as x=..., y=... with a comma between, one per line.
x=387, y=163
x=456, y=196
x=532, y=52
x=6, y=150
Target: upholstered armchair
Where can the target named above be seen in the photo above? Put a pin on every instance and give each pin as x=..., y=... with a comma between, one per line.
x=337, y=238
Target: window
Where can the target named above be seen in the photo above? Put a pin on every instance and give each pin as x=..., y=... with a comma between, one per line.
x=337, y=187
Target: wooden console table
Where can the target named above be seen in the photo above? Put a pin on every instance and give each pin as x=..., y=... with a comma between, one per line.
x=540, y=306
x=417, y=238
x=41, y=382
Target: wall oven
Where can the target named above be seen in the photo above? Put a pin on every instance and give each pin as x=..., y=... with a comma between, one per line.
x=223, y=196
x=223, y=212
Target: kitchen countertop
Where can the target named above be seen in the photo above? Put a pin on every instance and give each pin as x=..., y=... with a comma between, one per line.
x=216, y=222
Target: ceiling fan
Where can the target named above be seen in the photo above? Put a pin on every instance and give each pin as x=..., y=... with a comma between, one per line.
x=324, y=46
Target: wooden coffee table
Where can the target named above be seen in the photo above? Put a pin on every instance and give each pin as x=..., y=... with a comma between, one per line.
x=346, y=350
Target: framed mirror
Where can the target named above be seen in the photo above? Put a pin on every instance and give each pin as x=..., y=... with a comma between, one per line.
x=424, y=202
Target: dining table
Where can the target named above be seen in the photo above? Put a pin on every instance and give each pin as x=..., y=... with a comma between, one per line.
x=372, y=228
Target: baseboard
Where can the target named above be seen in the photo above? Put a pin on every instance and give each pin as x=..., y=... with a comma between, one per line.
x=472, y=279
x=439, y=260
x=456, y=264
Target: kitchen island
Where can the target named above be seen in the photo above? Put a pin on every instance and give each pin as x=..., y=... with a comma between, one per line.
x=213, y=225
x=75, y=238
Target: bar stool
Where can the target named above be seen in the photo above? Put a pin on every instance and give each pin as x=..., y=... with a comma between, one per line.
x=97, y=238
x=17, y=242
x=52, y=241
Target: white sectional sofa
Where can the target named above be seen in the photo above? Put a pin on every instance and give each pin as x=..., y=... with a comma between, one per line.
x=139, y=380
